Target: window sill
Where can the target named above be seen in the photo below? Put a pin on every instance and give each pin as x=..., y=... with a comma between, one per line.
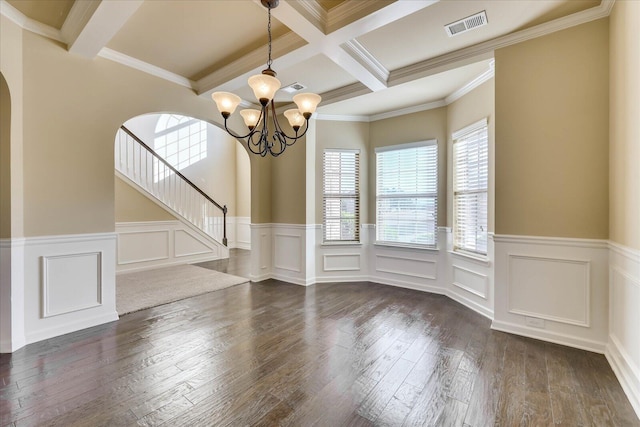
x=340, y=244
x=472, y=257
x=406, y=246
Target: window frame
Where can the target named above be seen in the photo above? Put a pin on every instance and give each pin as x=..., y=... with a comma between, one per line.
x=433, y=195
x=341, y=196
x=457, y=137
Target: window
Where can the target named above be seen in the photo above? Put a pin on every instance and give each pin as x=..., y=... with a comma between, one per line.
x=341, y=196
x=470, y=185
x=407, y=194
x=181, y=141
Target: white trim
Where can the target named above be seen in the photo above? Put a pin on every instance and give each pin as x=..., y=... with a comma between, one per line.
x=69, y=327
x=484, y=277
x=627, y=373
x=472, y=305
x=586, y=323
x=418, y=144
x=351, y=255
x=145, y=67
x=483, y=260
x=545, y=335
x=482, y=123
x=552, y=241
x=67, y=238
x=404, y=273
x=29, y=24
x=408, y=110
x=625, y=251
x=354, y=48
x=482, y=78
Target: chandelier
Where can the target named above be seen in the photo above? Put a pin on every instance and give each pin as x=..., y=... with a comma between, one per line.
x=261, y=122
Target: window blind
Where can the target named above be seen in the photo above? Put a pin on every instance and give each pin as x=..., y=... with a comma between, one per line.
x=341, y=195
x=407, y=194
x=470, y=186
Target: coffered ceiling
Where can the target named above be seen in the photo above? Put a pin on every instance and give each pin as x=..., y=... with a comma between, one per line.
x=366, y=58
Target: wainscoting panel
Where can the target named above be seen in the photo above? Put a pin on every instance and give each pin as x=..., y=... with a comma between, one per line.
x=341, y=262
x=623, y=349
x=471, y=281
x=187, y=244
x=554, y=289
x=533, y=279
x=243, y=233
x=154, y=244
x=143, y=246
x=12, y=315
x=71, y=283
x=403, y=266
x=261, y=256
x=288, y=252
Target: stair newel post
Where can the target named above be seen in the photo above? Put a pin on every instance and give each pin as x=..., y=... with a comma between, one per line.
x=224, y=225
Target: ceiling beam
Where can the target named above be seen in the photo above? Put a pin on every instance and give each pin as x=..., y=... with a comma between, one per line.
x=92, y=23
x=330, y=45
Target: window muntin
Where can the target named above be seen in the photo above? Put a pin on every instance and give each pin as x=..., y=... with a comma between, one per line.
x=407, y=194
x=470, y=188
x=341, y=196
x=181, y=141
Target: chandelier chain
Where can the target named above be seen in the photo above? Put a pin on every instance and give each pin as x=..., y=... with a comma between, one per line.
x=269, y=61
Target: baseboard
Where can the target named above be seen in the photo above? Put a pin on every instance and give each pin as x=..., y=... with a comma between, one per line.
x=470, y=304
x=167, y=264
x=9, y=346
x=62, y=329
x=408, y=285
x=553, y=337
x=627, y=374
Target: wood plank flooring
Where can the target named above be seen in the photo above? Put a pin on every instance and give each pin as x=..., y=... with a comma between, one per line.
x=275, y=354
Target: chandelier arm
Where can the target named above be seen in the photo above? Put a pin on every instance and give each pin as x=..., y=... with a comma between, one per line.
x=282, y=132
x=235, y=135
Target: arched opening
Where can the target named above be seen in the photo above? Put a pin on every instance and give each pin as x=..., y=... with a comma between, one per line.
x=5, y=215
x=182, y=193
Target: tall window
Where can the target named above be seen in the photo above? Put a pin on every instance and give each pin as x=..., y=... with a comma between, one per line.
x=341, y=195
x=470, y=185
x=180, y=140
x=407, y=193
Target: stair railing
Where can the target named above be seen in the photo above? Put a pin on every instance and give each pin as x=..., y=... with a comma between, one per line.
x=141, y=164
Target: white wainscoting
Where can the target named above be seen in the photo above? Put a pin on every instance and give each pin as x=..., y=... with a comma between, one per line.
x=146, y=245
x=623, y=348
x=552, y=289
x=12, y=333
x=261, y=252
x=409, y=267
x=239, y=232
x=69, y=283
x=340, y=262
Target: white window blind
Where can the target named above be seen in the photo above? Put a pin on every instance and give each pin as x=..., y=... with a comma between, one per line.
x=341, y=196
x=407, y=194
x=470, y=185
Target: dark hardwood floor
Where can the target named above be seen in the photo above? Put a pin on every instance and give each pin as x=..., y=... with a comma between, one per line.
x=238, y=263
x=271, y=353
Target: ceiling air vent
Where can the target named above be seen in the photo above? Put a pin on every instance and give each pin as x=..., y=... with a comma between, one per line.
x=294, y=87
x=466, y=24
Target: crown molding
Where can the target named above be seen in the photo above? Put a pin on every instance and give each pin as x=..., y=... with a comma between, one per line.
x=437, y=64
x=341, y=118
x=409, y=110
x=337, y=16
x=145, y=67
x=250, y=64
x=314, y=11
x=356, y=50
x=486, y=76
x=29, y=24
x=78, y=17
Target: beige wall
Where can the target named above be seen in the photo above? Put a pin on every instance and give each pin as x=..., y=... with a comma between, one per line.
x=624, y=132
x=11, y=45
x=288, y=188
x=421, y=126
x=5, y=157
x=551, y=140
x=346, y=135
x=471, y=108
x=73, y=107
x=133, y=206
x=243, y=182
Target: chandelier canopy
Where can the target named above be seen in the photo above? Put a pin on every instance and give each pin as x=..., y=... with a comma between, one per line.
x=261, y=122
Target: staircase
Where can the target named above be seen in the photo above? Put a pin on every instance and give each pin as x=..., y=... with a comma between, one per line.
x=140, y=165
